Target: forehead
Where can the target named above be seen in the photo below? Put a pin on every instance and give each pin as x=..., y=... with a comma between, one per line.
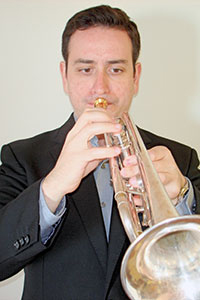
x=101, y=42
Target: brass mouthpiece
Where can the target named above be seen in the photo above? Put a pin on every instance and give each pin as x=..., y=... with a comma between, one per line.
x=101, y=102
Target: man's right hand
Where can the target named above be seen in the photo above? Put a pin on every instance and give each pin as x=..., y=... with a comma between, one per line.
x=78, y=158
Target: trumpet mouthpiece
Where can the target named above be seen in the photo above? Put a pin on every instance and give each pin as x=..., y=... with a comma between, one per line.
x=101, y=102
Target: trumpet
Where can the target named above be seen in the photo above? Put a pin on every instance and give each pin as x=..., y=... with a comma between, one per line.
x=162, y=262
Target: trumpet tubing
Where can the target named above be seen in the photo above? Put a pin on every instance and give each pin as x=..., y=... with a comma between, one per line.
x=159, y=264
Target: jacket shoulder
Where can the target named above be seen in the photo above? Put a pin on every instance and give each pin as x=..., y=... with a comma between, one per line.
x=42, y=141
x=36, y=142
x=156, y=140
x=183, y=154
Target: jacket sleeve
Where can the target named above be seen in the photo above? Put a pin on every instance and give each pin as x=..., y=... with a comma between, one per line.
x=19, y=216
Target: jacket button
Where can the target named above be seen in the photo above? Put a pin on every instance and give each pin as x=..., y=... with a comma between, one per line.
x=21, y=242
x=17, y=245
x=27, y=239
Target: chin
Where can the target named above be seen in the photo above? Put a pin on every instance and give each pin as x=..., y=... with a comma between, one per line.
x=116, y=113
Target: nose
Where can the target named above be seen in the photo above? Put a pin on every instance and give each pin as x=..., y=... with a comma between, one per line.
x=101, y=84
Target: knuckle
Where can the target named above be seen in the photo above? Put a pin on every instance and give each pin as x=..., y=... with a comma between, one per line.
x=90, y=127
x=165, y=150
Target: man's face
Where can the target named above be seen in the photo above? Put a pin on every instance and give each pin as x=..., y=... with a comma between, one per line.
x=100, y=65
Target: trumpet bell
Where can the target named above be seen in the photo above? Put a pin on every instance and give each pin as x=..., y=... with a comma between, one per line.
x=158, y=265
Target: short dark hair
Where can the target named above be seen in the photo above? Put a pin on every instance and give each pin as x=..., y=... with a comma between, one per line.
x=102, y=15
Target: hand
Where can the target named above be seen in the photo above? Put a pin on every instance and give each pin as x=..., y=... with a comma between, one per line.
x=168, y=171
x=166, y=167
x=78, y=158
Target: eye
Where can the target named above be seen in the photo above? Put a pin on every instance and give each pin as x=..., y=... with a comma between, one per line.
x=116, y=70
x=85, y=70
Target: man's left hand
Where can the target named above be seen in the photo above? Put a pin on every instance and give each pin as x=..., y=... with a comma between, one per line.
x=166, y=167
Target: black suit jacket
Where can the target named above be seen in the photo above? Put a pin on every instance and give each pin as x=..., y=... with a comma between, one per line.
x=77, y=263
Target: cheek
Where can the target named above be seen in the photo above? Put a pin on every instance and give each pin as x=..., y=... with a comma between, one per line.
x=79, y=87
x=130, y=90
x=75, y=91
x=125, y=90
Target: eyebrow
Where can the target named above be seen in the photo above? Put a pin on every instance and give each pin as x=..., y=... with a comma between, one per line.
x=118, y=61
x=83, y=61
x=110, y=62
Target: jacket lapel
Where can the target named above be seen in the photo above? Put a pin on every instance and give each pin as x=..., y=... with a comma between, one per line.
x=117, y=241
x=59, y=136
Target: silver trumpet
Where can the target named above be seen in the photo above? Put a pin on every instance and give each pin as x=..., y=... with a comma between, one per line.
x=162, y=262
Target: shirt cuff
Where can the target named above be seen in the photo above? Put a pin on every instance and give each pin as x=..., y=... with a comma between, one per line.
x=185, y=207
x=49, y=220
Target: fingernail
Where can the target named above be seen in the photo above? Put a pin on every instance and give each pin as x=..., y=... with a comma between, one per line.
x=127, y=162
x=133, y=181
x=130, y=160
x=117, y=150
x=118, y=126
x=123, y=172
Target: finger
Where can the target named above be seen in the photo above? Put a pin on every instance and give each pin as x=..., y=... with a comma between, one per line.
x=158, y=153
x=135, y=181
x=97, y=153
x=164, y=166
x=92, y=129
x=130, y=160
x=165, y=178
x=137, y=200
x=90, y=116
x=130, y=171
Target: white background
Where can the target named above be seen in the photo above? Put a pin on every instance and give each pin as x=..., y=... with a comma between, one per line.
x=31, y=95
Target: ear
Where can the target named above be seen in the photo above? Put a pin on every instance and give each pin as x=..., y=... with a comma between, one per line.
x=136, y=79
x=64, y=76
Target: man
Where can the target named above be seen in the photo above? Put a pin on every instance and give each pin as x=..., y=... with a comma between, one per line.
x=58, y=219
